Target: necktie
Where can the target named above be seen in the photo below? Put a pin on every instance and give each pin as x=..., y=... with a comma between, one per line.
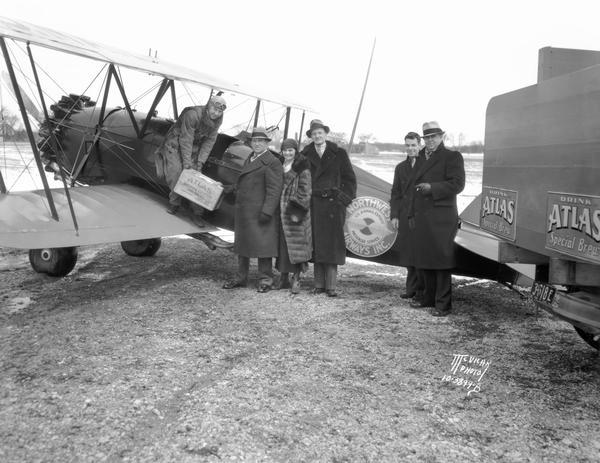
x=428, y=155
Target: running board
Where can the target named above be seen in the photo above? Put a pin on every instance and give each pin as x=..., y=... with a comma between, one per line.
x=213, y=242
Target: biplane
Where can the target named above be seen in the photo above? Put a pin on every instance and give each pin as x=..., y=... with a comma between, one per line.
x=103, y=156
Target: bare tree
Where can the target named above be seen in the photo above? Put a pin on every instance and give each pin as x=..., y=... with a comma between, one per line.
x=10, y=124
x=366, y=138
x=339, y=138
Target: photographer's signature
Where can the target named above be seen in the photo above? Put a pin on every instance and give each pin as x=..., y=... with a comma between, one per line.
x=467, y=371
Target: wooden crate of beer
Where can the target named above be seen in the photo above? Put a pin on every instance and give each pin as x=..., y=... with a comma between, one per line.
x=199, y=189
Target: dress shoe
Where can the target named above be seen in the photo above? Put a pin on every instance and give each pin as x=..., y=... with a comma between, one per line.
x=234, y=284
x=415, y=304
x=295, y=286
x=264, y=288
x=332, y=293
x=440, y=313
x=173, y=209
x=284, y=283
x=407, y=295
x=318, y=290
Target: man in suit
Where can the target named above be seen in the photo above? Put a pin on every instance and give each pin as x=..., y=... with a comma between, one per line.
x=439, y=178
x=333, y=189
x=256, y=219
x=399, y=206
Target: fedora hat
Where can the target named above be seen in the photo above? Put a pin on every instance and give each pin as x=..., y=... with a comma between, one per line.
x=259, y=132
x=316, y=124
x=432, y=128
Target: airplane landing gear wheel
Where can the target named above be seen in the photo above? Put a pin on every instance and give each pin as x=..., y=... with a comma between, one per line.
x=588, y=337
x=141, y=248
x=56, y=262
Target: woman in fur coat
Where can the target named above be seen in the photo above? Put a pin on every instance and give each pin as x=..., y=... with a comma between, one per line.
x=295, y=237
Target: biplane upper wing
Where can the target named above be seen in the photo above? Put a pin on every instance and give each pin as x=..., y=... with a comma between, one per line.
x=49, y=38
x=105, y=214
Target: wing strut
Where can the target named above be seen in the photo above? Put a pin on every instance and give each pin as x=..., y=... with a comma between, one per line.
x=112, y=69
x=34, y=148
x=301, y=127
x=111, y=74
x=2, y=184
x=288, y=110
x=174, y=100
x=47, y=118
x=77, y=169
x=164, y=86
x=256, y=112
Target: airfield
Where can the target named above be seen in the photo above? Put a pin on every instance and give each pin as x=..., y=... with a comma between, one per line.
x=148, y=359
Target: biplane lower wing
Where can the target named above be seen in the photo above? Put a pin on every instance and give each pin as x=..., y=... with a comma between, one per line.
x=105, y=214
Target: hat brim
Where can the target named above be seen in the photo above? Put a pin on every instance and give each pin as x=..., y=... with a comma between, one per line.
x=431, y=134
x=310, y=131
x=260, y=138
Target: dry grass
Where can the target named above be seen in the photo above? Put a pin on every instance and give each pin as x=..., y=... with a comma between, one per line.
x=149, y=359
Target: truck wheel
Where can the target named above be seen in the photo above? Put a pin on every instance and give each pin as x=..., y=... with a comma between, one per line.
x=56, y=262
x=141, y=248
x=588, y=337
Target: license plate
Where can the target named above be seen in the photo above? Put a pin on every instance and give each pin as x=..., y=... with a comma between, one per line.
x=542, y=292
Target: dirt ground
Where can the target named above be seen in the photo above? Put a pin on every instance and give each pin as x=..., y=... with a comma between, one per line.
x=148, y=359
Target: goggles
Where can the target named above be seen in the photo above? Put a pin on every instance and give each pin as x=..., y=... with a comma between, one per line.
x=219, y=106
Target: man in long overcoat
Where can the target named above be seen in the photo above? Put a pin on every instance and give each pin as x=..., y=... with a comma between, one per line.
x=399, y=206
x=439, y=178
x=258, y=190
x=187, y=145
x=333, y=189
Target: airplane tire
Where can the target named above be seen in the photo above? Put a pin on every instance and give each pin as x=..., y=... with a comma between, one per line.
x=56, y=262
x=588, y=337
x=141, y=248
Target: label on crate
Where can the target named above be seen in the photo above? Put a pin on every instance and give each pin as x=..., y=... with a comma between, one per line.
x=199, y=188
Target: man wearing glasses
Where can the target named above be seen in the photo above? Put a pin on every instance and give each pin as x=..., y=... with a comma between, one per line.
x=258, y=191
x=439, y=178
x=187, y=145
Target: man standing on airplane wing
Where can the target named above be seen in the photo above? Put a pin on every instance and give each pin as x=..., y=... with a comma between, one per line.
x=187, y=145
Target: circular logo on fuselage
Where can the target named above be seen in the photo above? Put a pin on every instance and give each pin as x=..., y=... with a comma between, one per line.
x=368, y=230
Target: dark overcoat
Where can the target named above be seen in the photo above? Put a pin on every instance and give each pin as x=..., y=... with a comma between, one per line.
x=333, y=189
x=258, y=190
x=436, y=213
x=399, y=207
x=187, y=144
x=295, y=201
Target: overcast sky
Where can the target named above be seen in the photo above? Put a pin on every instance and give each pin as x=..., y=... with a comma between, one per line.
x=435, y=60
